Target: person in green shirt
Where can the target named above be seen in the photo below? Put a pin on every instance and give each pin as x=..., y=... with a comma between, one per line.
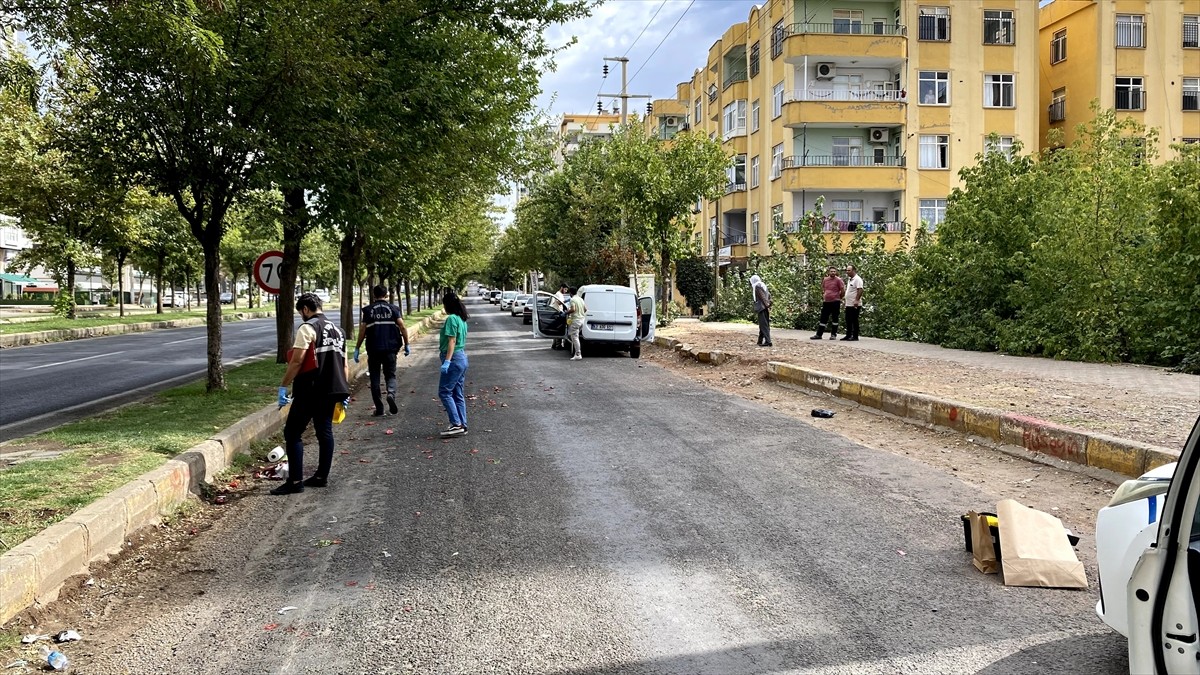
x=452, y=353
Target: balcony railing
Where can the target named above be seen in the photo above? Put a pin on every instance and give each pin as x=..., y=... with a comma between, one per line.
x=797, y=161
x=834, y=225
x=733, y=78
x=732, y=239
x=882, y=96
x=1058, y=111
x=845, y=28
x=730, y=188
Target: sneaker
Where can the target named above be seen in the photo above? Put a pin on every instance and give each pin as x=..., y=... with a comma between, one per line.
x=288, y=488
x=453, y=430
x=577, y=357
x=316, y=481
x=392, y=404
x=854, y=339
x=815, y=337
x=377, y=413
x=847, y=338
x=833, y=337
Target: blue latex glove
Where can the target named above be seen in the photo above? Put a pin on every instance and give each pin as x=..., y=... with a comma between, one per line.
x=407, y=351
x=356, y=354
x=283, y=397
x=445, y=367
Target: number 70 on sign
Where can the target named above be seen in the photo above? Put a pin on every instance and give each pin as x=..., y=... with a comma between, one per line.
x=266, y=271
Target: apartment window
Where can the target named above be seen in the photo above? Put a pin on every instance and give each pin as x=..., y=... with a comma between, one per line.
x=776, y=161
x=847, y=150
x=1191, y=93
x=735, y=118
x=1191, y=140
x=754, y=59
x=934, y=87
x=997, y=91
x=754, y=111
x=935, y=152
x=998, y=27
x=1058, y=46
x=1130, y=95
x=1131, y=30
x=777, y=40
x=847, y=21
x=754, y=171
x=777, y=217
x=1191, y=31
x=754, y=228
x=777, y=101
x=1000, y=144
x=735, y=175
x=697, y=118
x=933, y=213
x=934, y=24
x=1058, y=105
x=848, y=210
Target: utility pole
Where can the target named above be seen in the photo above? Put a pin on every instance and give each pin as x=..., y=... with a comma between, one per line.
x=624, y=96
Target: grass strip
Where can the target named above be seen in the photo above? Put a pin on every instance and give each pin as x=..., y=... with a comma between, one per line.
x=58, y=323
x=104, y=452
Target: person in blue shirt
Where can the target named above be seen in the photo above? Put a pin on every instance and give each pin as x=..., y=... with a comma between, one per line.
x=452, y=353
x=383, y=328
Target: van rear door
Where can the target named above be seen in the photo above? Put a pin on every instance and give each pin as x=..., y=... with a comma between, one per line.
x=646, y=315
x=611, y=314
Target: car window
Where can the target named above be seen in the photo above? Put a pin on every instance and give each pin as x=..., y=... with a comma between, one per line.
x=1196, y=523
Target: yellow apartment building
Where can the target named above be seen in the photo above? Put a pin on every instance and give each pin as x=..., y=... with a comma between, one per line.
x=871, y=106
x=1139, y=57
x=574, y=130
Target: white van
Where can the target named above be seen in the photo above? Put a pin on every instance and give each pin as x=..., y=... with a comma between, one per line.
x=616, y=318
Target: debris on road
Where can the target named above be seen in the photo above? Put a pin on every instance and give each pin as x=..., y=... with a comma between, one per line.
x=822, y=412
x=55, y=659
x=287, y=609
x=68, y=636
x=30, y=639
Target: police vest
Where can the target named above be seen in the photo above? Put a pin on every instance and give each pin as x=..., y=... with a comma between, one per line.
x=383, y=335
x=329, y=377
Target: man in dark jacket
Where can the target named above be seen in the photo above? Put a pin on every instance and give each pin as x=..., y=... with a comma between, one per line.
x=383, y=329
x=320, y=378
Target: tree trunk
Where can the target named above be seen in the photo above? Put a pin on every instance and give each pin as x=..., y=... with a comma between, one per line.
x=158, y=281
x=407, y=295
x=212, y=287
x=71, y=287
x=233, y=283
x=350, y=251
x=664, y=280
x=121, y=283
x=295, y=225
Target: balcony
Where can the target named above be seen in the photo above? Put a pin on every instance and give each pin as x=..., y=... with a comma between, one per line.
x=831, y=225
x=842, y=172
x=733, y=78
x=1058, y=111
x=844, y=106
x=734, y=132
x=735, y=199
x=845, y=39
x=730, y=188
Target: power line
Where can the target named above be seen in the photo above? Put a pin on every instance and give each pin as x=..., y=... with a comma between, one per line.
x=639, y=37
x=660, y=42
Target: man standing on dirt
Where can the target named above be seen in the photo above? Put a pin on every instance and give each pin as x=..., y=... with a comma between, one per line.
x=383, y=329
x=833, y=288
x=320, y=378
x=854, y=296
x=576, y=315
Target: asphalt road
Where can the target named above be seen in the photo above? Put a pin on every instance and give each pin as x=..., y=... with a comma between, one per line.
x=603, y=516
x=43, y=386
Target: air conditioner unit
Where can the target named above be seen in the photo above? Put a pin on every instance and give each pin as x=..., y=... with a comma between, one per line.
x=671, y=121
x=879, y=134
x=826, y=71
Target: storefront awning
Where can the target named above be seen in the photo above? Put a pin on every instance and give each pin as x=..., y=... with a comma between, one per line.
x=18, y=279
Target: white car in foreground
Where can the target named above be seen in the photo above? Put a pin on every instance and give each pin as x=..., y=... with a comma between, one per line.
x=1148, y=551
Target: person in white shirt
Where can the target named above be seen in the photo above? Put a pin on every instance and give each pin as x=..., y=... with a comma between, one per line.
x=853, y=300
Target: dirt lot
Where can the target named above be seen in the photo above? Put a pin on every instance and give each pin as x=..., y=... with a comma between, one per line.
x=1163, y=419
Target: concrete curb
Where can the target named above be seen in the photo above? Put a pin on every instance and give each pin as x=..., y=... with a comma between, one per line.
x=33, y=572
x=1087, y=448
x=38, y=337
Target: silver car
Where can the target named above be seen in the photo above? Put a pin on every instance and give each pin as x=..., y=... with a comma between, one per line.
x=518, y=304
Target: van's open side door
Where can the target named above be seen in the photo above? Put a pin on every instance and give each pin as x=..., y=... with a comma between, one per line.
x=646, y=312
x=546, y=320
x=1164, y=590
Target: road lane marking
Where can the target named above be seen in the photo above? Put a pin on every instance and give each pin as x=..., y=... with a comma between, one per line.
x=85, y=358
x=175, y=342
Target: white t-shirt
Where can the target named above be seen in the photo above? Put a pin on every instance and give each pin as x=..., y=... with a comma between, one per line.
x=852, y=291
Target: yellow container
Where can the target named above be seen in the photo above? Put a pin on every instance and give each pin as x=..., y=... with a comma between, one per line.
x=339, y=412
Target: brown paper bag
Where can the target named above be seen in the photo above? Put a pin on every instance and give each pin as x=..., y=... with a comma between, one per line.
x=1036, y=551
x=982, y=552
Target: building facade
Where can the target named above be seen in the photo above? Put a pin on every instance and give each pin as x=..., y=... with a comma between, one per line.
x=1138, y=57
x=870, y=108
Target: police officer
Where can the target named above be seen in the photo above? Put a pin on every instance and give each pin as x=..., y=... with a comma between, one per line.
x=383, y=329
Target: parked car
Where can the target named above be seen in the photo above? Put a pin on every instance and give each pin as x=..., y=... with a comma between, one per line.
x=527, y=308
x=518, y=304
x=506, y=299
x=1148, y=552
x=483, y=291
x=226, y=298
x=322, y=295
x=494, y=296
x=616, y=318
x=175, y=299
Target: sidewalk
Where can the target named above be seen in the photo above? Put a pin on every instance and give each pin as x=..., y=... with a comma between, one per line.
x=1141, y=403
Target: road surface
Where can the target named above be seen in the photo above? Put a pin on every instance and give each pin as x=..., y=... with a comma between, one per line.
x=602, y=516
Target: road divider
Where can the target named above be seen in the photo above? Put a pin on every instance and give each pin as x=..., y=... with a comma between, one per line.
x=38, y=337
x=33, y=572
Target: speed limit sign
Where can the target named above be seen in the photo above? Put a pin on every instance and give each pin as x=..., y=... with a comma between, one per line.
x=266, y=271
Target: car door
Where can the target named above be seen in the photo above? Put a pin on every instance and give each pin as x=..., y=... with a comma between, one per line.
x=1164, y=590
x=547, y=321
x=646, y=314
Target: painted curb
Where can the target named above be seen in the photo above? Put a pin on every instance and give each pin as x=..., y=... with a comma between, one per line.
x=1087, y=448
x=33, y=572
x=38, y=337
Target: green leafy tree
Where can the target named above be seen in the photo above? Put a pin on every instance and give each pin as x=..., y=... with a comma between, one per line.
x=695, y=280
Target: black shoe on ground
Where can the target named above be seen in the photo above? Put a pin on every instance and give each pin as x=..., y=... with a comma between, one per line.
x=377, y=413
x=288, y=488
x=854, y=339
x=833, y=336
x=768, y=344
x=392, y=404
x=314, y=481
x=815, y=337
x=847, y=338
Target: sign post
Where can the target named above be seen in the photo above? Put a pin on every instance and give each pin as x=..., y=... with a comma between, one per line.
x=266, y=271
